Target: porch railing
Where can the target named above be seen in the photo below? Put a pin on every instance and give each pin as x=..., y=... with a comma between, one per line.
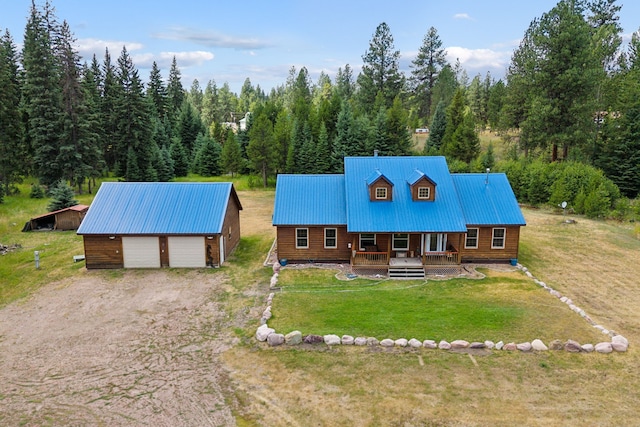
x=371, y=258
x=441, y=258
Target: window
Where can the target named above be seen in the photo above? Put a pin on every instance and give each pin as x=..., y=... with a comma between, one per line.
x=400, y=241
x=497, y=238
x=367, y=240
x=424, y=192
x=435, y=242
x=381, y=193
x=302, y=238
x=471, y=239
x=330, y=238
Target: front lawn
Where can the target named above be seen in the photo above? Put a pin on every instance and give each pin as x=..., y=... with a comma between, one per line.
x=503, y=306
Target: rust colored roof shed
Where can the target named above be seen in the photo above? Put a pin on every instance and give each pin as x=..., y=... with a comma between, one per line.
x=63, y=219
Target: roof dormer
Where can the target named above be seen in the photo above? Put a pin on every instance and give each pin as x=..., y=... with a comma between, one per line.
x=380, y=187
x=423, y=188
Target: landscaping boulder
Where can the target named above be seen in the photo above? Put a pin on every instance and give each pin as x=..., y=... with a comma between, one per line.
x=274, y=281
x=276, y=267
x=572, y=346
x=275, y=339
x=619, y=339
x=603, y=347
x=401, y=342
x=429, y=344
x=263, y=332
x=267, y=313
x=347, y=340
x=360, y=341
x=587, y=348
x=387, y=342
x=443, y=345
x=313, y=339
x=414, y=343
x=489, y=344
x=556, y=345
x=477, y=345
x=510, y=347
x=538, y=345
x=499, y=345
x=458, y=344
x=372, y=341
x=332, y=340
x=619, y=346
x=293, y=338
x=525, y=346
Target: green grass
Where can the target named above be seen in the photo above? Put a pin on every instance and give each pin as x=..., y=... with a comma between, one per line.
x=498, y=307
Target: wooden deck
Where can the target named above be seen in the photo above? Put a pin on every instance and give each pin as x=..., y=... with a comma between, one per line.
x=383, y=259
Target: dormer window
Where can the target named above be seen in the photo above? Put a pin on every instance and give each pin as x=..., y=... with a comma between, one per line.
x=424, y=193
x=381, y=193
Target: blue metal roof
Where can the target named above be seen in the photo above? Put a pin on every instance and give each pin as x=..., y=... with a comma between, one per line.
x=310, y=200
x=121, y=208
x=416, y=176
x=488, y=202
x=402, y=214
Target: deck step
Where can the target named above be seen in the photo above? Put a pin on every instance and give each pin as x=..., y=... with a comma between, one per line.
x=406, y=272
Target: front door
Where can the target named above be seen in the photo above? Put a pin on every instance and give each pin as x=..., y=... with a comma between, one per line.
x=434, y=242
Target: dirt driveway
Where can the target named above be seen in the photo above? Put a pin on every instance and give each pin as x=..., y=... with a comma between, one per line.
x=141, y=349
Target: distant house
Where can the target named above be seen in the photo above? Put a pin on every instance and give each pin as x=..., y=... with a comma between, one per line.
x=151, y=225
x=63, y=219
x=401, y=215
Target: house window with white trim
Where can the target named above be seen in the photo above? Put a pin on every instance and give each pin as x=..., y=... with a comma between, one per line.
x=367, y=240
x=471, y=239
x=381, y=193
x=498, y=238
x=424, y=193
x=330, y=238
x=302, y=238
x=400, y=241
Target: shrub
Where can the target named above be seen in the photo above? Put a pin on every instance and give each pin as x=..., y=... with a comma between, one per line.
x=37, y=192
x=62, y=196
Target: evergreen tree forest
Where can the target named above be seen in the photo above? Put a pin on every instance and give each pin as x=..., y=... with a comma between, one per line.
x=569, y=103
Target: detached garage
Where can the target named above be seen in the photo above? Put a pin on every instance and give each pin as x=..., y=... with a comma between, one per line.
x=152, y=225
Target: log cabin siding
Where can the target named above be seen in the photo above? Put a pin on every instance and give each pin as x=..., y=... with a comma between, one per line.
x=423, y=182
x=103, y=252
x=381, y=183
x=484, y=252
x=316, y=251
x=230, y=228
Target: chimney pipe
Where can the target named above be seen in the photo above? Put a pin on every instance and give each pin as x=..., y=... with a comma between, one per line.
x=375, y=153
x=486, y=181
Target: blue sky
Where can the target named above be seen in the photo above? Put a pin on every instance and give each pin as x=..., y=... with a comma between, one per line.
x=228, y=41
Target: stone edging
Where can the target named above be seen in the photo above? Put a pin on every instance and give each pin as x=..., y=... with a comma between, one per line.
x=617, y=343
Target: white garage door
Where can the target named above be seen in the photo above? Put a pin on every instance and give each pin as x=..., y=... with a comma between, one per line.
x=186, y=251
x=141, y=252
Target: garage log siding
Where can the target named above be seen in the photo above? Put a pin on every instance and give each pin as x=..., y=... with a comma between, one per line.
x=316, y=251
x=484, y=252
x=103, y=252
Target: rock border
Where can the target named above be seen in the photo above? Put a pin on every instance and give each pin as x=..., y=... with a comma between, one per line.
x=617, y=343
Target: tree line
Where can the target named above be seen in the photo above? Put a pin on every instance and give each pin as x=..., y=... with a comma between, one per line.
x=570, y=93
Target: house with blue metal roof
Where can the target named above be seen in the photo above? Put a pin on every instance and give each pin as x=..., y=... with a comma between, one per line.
x=152, y=225
x=401, y=215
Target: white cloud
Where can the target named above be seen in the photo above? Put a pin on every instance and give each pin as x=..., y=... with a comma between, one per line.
x=164, y=59
x=474, y=59
x=213, y=39
x=88, y=47
x=464, y=16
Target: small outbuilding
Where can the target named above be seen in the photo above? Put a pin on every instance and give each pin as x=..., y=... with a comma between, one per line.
x=152, y=225
x=64, y=219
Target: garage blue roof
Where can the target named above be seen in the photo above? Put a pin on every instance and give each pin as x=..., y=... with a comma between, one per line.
x=310, y=200
x=122, y=208
x=487, y=199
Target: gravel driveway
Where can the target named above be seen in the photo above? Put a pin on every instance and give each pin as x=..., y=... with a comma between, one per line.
x=138, y=349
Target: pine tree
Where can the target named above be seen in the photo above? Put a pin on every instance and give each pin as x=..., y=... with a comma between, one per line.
x=90, y=128
x=110, y=94
x=425, y=69
x=157, y=92
x=12, y=153
x=62, y=196
x=180, y=158
x=323, y=152
x=42, y=98
x=208, y=157
x=380, y=71
x=196, y=96
x=231, y=158
x=344, y=144
x=209, y=104
x=436, y=130
x=282, y=136
x=188, y=126
x=260, y=149
x=175, y=92
x=460, y=139
x=397, y=129
x=381, y=134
